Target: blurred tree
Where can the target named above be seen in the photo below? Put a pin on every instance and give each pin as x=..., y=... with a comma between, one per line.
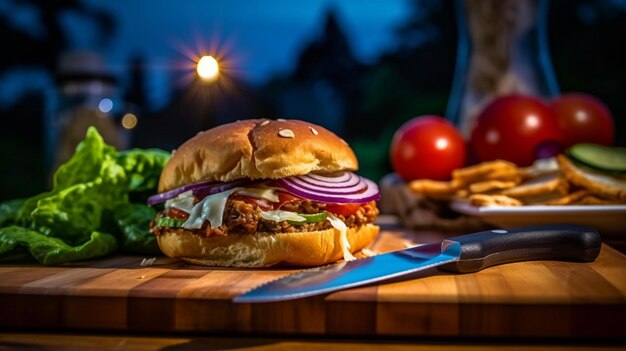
x=135, y=95
x=328, y=72
x=28, y=49
x=22, y=163
x=329, y=58
x=136, y=92
x=34, y=46
x=410, y=80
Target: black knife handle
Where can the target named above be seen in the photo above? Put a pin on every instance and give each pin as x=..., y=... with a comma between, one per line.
x=545, y=242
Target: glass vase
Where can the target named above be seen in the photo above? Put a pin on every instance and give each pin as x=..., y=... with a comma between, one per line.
x=502, y=49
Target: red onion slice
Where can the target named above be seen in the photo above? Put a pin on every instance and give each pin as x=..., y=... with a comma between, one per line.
x=200, y=190
x=344, y=188
x=162, y=197
x=332, y=195
x=221, y=187
x=351, y=180
x=343, y=177
x=359, y=187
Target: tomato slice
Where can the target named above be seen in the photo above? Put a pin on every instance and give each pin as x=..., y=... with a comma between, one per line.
x=345, y=210
x=176, y=213
x=262, y=203
x=284, y=197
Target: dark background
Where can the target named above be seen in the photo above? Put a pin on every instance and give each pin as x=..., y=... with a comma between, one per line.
x=325, y=82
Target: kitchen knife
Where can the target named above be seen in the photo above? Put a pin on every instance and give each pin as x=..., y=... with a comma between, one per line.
x=461, y=254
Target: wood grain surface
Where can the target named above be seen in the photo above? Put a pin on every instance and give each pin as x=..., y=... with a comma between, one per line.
x=529, y=299
x=100, y=342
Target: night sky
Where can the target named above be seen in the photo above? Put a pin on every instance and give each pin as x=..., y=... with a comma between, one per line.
x=262, y=38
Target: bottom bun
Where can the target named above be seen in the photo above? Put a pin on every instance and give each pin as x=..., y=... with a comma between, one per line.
x=263, y=249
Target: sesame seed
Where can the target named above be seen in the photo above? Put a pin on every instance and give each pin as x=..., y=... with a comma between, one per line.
x=286, y=133
x=264, y=123
x=313, y=130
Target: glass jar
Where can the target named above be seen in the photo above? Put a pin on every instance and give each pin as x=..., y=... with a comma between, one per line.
x=87, y=95
x=502, y=49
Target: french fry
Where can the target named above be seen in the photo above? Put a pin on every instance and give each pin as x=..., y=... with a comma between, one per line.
x=553, y=182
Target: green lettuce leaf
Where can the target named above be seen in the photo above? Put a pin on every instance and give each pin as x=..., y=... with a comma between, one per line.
x=143, y=167
x=133, y=221
x=24, y=216
x=91, y=195
x=86, y=186
x=73, y=213
x=87, y=163
x=51, y=251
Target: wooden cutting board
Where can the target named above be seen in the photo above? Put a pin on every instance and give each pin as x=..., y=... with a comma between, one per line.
x=528, y=299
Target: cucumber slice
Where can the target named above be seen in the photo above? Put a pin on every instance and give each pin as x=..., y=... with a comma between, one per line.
x=313, y=218
x=604, y=158
x=169, y=222
x=309, y=218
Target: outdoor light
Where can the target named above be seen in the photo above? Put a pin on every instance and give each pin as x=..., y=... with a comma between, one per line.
x=208, y=68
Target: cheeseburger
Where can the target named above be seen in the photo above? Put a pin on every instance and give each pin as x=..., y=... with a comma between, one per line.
x=258, y=193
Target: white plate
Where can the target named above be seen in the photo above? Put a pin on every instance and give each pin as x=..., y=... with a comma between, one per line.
x=609, y=219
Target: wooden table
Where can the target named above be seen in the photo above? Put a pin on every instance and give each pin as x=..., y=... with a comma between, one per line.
x=117, y=300
x=91, y=342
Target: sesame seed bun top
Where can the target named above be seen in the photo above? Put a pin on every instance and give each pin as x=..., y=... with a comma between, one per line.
x=259, y=148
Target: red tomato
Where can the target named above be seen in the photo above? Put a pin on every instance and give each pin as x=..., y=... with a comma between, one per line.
x=583, y=118
x=344, y=210
x=284, y=197
x=427, y=147
x=516, y=128
x=176, y=213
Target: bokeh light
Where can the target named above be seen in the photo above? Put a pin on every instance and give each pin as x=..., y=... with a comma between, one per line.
x=129, y=121
x=105, y=105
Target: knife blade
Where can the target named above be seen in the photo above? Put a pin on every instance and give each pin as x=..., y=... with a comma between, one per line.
x=461, y=254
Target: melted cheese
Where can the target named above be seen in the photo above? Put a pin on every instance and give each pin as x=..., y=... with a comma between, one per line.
x=343, y=236
x=279, y=216
x=211, y=209
x=183, y=201
x=260, y=193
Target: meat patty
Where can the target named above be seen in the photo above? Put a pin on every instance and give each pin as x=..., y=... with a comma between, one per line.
x=245, y=218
